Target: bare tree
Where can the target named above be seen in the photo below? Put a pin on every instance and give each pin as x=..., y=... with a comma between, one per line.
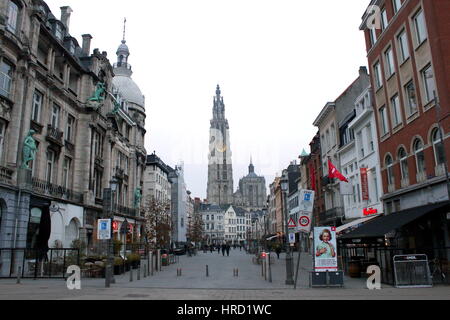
x=158, y=222
x=195, y=228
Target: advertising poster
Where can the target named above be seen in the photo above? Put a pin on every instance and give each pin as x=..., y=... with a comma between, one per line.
x=325, y=249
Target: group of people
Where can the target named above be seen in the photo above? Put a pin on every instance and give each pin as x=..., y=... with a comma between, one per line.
x=224, y=248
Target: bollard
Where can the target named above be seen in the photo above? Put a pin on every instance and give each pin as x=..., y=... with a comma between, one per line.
x=19, y=271
x=270, y=270
x=131, y=274
x=139, y=273
x=207, y=271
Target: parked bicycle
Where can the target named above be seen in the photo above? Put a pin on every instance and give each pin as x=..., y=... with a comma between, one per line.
x=436, y=271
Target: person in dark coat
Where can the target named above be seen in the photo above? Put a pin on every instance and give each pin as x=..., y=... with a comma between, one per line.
x=278, y=251
x=218, y=248
x=224, y=247
x=228, y=247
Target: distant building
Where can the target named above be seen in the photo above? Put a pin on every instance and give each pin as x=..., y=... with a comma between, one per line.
x=179, y=205
x=252, y=192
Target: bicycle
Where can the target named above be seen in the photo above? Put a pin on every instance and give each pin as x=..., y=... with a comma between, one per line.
x=435, y=268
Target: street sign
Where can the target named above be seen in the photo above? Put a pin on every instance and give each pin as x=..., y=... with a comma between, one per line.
x=304, y=222
x=104, y=229
x=306, y=200
x=292, y=224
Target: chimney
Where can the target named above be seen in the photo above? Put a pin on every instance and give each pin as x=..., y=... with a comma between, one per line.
x=362, y=70
x=65, y=16
x=86, y=44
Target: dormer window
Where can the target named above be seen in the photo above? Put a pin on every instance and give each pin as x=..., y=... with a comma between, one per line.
x=58, y=31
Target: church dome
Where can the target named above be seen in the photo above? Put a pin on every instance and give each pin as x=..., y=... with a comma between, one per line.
x=122, y=81
x=129, y=89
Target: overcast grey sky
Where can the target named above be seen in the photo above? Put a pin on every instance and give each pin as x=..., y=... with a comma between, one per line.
x=278, y=62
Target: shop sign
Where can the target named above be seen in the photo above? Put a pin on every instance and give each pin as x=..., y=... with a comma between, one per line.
x=369, y=211
x=115, y=225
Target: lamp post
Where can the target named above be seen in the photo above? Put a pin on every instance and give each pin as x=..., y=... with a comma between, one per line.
x=284, y=182
x=108, y=202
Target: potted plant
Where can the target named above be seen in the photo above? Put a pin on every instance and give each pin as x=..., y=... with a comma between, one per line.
x=118, y=266
x=134, y=260
x=117, y=244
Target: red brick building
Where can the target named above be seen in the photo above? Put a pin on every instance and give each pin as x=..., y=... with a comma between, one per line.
x=409, y=62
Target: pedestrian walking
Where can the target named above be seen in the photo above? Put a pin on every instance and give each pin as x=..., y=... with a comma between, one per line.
x=218, y=248
x=278, y=251
x=240, y=247
x=228, y=247
x=211, y=248
x=224, y=247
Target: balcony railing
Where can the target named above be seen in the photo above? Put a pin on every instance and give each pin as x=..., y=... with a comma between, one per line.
x=125, y=211
x=55, y=135
x=6, y=175
x=49, y=189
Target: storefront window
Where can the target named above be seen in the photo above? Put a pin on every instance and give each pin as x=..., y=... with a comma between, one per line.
x=33, y=227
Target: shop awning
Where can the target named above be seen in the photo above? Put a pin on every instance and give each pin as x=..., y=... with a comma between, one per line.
x=354, y=223
x=378, y=228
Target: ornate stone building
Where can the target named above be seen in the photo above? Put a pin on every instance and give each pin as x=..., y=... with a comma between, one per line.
x=252, y=193
x=82, y=127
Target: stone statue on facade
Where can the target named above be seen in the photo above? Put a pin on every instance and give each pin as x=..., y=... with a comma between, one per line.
x=29, y=149
x=137, y=198
x=97, y=99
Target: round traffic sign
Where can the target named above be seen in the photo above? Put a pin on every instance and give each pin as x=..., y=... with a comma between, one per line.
x=304, y=221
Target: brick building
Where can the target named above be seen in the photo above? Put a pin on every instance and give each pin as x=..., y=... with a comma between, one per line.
x=409, y=60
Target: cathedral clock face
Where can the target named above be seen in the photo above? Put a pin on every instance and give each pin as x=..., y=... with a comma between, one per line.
x=222, y=148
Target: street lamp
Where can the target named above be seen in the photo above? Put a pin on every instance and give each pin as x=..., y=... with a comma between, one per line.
x=284, y=182
x=108, y=196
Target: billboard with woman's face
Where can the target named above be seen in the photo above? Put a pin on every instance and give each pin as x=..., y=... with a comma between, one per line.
x=325, y=249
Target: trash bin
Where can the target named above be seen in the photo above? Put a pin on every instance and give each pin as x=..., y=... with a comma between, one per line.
x=164, y=260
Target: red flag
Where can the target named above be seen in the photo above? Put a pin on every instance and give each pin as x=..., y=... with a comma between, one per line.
x=334, y=173
x=312, y=172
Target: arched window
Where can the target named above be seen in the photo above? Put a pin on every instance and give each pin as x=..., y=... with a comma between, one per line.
x=403, y=158
x=438, y=147
x=390, y=170
x=420, y=155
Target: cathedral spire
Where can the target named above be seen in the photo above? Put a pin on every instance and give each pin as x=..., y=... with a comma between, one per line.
x=124, y=29
x=251, y=167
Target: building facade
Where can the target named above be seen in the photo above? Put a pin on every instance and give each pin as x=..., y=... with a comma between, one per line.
x=409, y=57
x=63, y=136
x=157, y=185
x=179, y=205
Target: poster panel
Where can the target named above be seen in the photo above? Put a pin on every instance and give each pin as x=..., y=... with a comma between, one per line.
x=325, y=249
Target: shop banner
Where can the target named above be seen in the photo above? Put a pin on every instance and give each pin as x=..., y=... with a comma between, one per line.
x=364, y=185
x=325, y=249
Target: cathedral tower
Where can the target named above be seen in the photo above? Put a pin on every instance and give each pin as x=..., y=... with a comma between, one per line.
x=220, y=170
